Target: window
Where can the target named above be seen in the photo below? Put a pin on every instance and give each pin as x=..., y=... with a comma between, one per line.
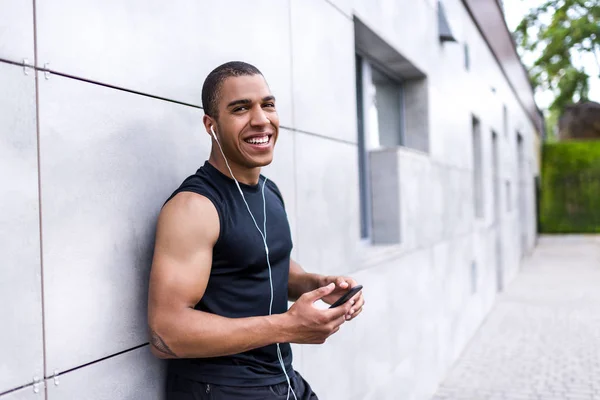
x=393, y=112
x=381, y=125
x=467, y=57
x=478, y=192
x=521, y=195
x=363, y=167
x=496, y=178
x=445, y=33
x=383, y=119
x=398, y=89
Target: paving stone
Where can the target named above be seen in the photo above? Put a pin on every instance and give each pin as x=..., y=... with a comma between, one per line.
x=542, y=339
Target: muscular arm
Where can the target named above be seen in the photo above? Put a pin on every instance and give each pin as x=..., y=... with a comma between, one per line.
x=301, y=282
x=187, y=230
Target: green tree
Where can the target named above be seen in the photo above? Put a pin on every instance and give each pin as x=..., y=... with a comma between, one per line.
x=551, y=120
x=554, y=33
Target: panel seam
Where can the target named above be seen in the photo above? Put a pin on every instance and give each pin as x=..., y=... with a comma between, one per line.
x=39, y=184
x=96, y=361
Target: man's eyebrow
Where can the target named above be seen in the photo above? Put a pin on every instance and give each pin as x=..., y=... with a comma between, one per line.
x=248, y=101
x=239, y=102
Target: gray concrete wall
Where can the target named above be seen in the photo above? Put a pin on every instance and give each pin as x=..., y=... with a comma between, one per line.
x=107, y=124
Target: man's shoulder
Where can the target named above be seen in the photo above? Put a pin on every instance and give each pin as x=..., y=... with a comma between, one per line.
x=198, y=184
x=189, y=203
x=275, y=189
x=189, y=215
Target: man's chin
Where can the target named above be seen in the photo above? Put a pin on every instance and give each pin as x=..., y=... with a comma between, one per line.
x=260, y=162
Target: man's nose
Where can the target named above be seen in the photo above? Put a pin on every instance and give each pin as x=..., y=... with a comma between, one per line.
x=259, y=117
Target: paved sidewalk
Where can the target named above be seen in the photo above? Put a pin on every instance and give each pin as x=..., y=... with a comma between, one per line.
x=542, y=339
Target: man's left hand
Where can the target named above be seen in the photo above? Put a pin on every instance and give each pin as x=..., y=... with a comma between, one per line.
x=342, y=285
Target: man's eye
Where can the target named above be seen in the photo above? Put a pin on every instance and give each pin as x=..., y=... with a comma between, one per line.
x=270, y=105
x=243, y=108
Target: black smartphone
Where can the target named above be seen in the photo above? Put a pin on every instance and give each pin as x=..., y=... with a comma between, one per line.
x=347, y=296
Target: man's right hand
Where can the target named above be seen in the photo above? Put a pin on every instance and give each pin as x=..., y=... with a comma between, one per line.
x=307, y=324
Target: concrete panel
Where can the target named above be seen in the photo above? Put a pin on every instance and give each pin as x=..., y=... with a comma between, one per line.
x=458, y=199
x=323, y=71
x=459, y=309
x=450, y=128
x=441, y=268
x=359, y=358
x=109, y=160
x=328, y=212
x=406, y=25
x=135, y=375
x=20, y=275
x=450, y=71
x=343, y=6
x=416, y=112
x=27, y=393
x=16, y=30
x=166, y=48
x=423, y=199
x=490, y=280
x=452, y=203
x=454, y=257
x=282, y=172
x=511, y=247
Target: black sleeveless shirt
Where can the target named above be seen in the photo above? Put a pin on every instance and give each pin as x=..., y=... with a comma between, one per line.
x=239, y=284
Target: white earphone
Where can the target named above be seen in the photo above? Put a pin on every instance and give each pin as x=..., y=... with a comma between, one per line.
x=263, y=234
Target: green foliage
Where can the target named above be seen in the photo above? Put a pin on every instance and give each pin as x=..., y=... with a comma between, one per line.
x=552, y=125
x=570, y=187
x=555, y=32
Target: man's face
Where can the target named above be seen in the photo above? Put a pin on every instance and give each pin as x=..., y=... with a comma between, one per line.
x=248, y=124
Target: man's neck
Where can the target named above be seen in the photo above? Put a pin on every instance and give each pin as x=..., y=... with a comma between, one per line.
x=243, y=175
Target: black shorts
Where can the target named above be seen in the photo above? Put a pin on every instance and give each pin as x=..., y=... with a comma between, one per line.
x=180, y=388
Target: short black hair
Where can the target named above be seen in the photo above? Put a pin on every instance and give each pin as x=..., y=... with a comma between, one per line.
x=214, y=80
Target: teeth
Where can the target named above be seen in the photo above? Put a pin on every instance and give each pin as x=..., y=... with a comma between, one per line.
x=262, y=140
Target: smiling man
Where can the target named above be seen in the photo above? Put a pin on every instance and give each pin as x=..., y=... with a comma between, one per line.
x=222, y=273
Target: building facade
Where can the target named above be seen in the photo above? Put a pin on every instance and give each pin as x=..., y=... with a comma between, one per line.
x=407, y=158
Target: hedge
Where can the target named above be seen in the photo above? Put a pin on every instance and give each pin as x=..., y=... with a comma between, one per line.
x=570, y=187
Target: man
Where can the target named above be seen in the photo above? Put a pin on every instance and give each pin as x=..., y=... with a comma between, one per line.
x=222, y=273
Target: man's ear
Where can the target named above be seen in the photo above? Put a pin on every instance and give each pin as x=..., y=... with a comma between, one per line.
x=209, y=122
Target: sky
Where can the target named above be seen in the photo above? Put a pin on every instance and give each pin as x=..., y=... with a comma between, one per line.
x=514, y=11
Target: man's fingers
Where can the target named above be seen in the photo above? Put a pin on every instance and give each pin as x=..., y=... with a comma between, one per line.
x=319, y=293
x=340, y=321
x=357, y=297
x=342, y=282
x=351, y=282
x=340, y=311
x=335, y=330
x=356, y=301
x=359, y=300
x=356, y=308
x=355, y=314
